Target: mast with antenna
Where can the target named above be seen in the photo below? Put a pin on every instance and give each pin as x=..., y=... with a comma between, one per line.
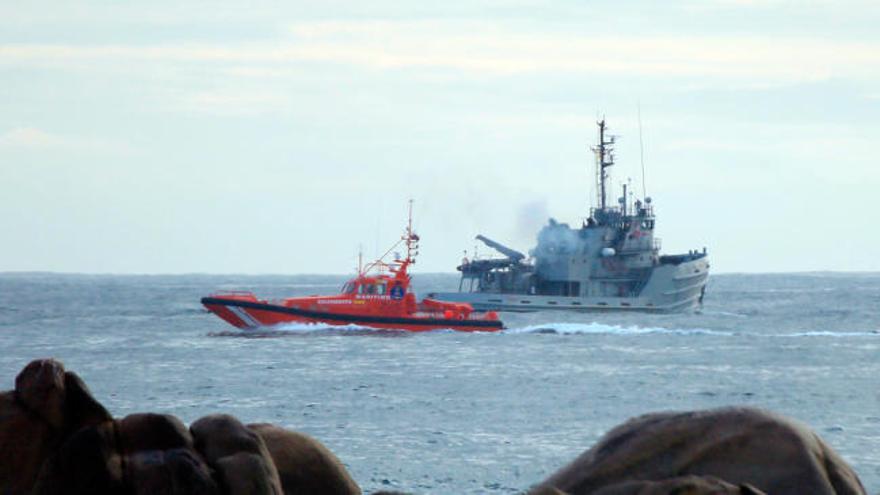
x=604, y=159
x=642, y=152
x=411, y=239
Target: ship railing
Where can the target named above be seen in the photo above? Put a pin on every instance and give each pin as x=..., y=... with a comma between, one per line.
x=234, y=293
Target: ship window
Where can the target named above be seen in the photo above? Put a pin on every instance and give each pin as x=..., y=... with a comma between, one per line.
x=370, y=289
x=602, y=304
x=380, y=289
x=552, y=302
x=348, y=288
x=575, y=304
x=362, y=289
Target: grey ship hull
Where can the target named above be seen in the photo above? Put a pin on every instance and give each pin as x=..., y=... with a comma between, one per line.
x=670, y=288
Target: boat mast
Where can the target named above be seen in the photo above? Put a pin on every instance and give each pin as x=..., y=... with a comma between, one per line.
x=411, y=238
x=642, y=154
x=604, y=159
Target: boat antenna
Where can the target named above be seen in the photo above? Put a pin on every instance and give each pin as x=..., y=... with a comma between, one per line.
x=411, y=238
x=642, y=151
x=360, y=259
x=604, y=159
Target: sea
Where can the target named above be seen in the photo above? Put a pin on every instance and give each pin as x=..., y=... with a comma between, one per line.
x=445, y=412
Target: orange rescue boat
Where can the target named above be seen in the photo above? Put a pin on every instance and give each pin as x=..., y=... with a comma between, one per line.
x=382, y=300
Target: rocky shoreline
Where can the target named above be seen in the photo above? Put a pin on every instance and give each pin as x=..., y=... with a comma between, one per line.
x=55, y=438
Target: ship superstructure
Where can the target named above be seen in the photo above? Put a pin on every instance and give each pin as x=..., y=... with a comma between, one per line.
x=611, y=261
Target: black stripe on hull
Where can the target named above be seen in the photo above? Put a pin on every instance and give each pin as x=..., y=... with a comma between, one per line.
x=320, y=315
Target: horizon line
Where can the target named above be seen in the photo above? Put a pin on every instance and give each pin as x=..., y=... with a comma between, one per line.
x=337, y=274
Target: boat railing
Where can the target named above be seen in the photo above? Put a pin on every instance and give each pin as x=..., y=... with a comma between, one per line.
x=473, y=316
x=233, y=293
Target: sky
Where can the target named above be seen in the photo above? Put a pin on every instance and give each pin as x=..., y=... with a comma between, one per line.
x=284, y=137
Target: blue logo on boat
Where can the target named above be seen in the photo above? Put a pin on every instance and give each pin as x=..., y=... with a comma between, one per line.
x=397, y=292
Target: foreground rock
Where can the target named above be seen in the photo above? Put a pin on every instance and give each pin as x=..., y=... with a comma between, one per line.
x=55, y=438
x=741, y=450
x=305, y=465
x=47, y=406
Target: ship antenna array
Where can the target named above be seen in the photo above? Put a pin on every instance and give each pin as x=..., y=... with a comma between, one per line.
x=412, y=240
x=604, y=159
x=642, y=152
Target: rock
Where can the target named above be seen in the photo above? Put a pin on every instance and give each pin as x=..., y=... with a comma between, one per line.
x=173, y=471
x=161, y=458
x=47, y=406
x=87, y=462
x=238, y=454
x=55, y=438
x=741, y=446
x=40, y=388
x=304, y=464
x=685, y=485
x=26, y=440
x=149, y=431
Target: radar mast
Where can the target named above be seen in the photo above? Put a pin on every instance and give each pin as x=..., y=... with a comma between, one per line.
x=604, y=159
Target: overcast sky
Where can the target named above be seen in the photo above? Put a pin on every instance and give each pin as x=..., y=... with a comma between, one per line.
x=160, y=137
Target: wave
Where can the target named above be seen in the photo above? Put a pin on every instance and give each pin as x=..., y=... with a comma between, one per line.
x=311, y=327
x=602, y=329
x=721, y=313
x=826, y=333
x=306, y=330
x=593, y=328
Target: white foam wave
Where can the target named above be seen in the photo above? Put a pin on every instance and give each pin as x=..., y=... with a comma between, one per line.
x=722, y=313
x=825, y=333
x=595, y=328
x=592, y=328
x=311, y=327
x=600, y=329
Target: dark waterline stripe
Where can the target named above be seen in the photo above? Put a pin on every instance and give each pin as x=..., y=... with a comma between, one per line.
x=352, y=318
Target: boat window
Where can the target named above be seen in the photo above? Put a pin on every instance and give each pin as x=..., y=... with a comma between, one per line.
x=370, y=289
x=380, y=289
x=362, y=289
x=348, y=288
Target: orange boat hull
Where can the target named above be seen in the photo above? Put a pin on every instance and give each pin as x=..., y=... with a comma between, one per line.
x=248, y=313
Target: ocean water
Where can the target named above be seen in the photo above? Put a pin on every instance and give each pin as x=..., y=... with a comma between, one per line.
x=454, y=413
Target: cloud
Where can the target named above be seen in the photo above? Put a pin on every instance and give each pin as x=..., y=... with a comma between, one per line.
x=800, y=5
x=478, y=48
x=236, y=101
x=30, y=138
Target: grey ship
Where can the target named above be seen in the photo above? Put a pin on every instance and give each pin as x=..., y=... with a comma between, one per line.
x=611, y=262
